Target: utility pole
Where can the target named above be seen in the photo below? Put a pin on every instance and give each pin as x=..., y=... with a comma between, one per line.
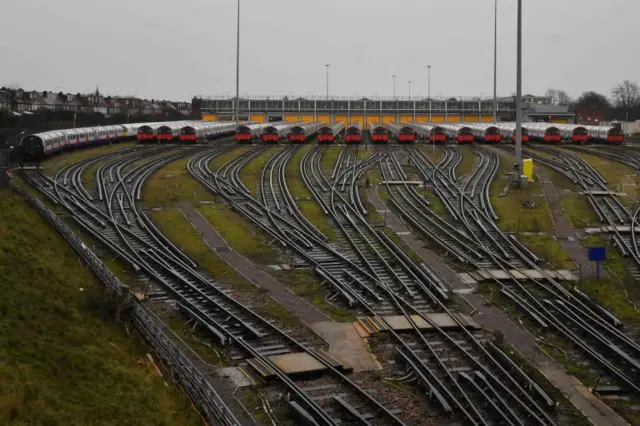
x=238, y=71
x=394, y=87
x=429, y=90
x=518, y=164
x=409, y=89
x=327, y=65
x=429, y=82
x=495, y=66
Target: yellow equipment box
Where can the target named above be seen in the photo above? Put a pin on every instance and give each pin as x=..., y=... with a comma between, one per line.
x=527, y=169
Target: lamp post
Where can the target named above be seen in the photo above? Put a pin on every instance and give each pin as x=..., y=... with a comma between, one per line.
x=394, y=87
x=429, y=89
x=409, y=89
x=495, y=65
x=518, y=164
x=327, y=65
x=238, y=70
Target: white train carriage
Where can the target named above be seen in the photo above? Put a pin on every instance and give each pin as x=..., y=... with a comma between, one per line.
x=488, y=132
x=431, y=132
x=611, y=135
x=460, y=133
x=544, y=132
x=274, y=133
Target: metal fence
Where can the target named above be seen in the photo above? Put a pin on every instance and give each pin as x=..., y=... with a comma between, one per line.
x=182, y=369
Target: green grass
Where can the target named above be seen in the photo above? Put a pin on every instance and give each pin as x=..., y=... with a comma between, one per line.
x=549, y=250
x=436, y=204
x=63, y=359
x=177, y=228
x=304, y=200
x=242, y=236
x=222, y=159
x=578, y=211
x=329, y=158
x=306, y=286
x=468, y=161
x=513, y=216
x=609, y=291
x=251, y=173
x=171, y=184
x=364, y=153
x=436, y=155
x=56, y=163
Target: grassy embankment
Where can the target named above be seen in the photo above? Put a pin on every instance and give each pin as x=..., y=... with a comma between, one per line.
x=63, y=359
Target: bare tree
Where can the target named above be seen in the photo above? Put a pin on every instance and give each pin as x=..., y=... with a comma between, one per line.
x=553, y=94
x=626, y=94
x=563, y=98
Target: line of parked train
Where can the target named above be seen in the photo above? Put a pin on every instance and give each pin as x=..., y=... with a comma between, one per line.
x=45, y=144
x=40, y=145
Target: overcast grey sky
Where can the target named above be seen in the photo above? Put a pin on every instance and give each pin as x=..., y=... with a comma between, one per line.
x=178, y=48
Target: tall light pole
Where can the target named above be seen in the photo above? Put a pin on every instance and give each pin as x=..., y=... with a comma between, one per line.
x=429, y=89
x=327, y=65
x=238, y=70
x=495, y=65
x=409, y=89
x=394, y=87
x=518, y=164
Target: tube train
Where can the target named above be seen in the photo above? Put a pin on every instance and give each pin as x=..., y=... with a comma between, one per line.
x=430, y=132
x=485, y=132
x=274, y=133
x=247, y=133
x=379, y=134
x=303, y=132
x=401, y=133
x=37, y=146
x=329, y=134
x=353, y=134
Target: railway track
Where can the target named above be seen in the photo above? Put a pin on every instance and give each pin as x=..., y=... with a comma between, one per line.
x=605, y=204
x=115, y=220
x=465, y=379
x=593, y=331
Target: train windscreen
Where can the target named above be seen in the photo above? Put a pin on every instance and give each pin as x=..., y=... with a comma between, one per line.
x=353, y=131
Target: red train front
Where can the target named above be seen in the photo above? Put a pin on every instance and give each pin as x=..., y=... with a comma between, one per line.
x=353, y=134
x=437, y=135
x=465, y=136
x=244, y=134
x=145, y=133
x=188, y=134
x=164, y=133
x=297, y=134
x=552, y=135
x=379, y=134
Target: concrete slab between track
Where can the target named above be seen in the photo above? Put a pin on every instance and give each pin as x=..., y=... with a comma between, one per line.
x=473, y=278
x=294, y=364
x=617, y=194
x=401, y=323
x=348, y=344
x=609, y=229
x=402, y=182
